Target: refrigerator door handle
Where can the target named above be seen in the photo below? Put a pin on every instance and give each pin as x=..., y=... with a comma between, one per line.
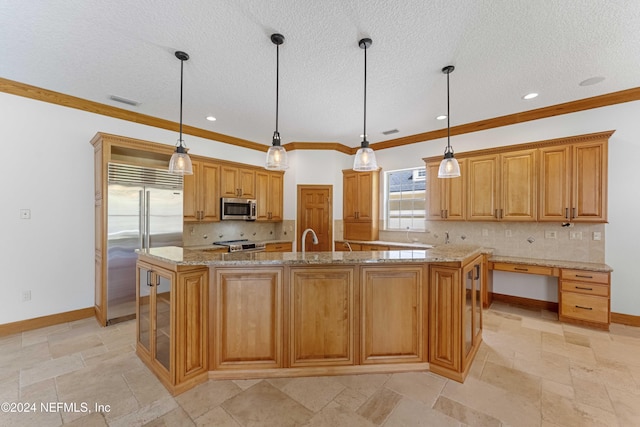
x=141, y=218
x=147, y=212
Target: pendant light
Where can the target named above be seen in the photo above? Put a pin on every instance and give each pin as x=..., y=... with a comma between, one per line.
x=180, y=163
x=365, y=157
x=449, y=167
x=276, y=155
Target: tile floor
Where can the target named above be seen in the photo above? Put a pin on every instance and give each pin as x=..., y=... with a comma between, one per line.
x=530, y=371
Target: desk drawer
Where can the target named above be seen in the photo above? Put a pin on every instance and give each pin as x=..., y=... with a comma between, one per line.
x=585, y=276
x=524, y=268
x=585, y=307
x=585, y=288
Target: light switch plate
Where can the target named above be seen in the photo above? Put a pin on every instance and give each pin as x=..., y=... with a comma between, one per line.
x=507, y=233
x=550, y=234
x=575, y=235
x=597, y=235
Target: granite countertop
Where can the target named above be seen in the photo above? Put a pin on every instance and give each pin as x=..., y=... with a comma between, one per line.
x=183, y=256
x=576, y=265
x=383, y=243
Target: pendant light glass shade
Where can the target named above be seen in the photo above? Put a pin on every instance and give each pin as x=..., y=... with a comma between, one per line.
x=180, y=163
x=277, y=158
x=365, y=159
x=449, y=167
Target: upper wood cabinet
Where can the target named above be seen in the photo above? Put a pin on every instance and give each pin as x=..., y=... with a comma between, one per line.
x=503, y=186
x=201, y=197
x=237, y=182
x=269, y=195
x=445, y=198
x=573, y=182
x=360, y=204
x=562, y=179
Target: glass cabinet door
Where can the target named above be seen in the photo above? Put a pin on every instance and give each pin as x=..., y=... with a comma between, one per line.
x=163, y=319
x=144, y=307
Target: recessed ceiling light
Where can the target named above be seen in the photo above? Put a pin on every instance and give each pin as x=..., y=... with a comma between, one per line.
x=591, y=81
x=441, y=117
x=530, y=95
x=211, y=118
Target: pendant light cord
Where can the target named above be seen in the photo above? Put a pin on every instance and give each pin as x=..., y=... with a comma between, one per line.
x=448, y=118
x=364, y=141
x=277, y=84
x=181, y=79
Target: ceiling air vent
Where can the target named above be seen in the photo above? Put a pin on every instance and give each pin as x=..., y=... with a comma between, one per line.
x=124, y=100
x=389, y=132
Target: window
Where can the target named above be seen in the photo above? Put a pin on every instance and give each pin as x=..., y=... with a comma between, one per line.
x=405, y=199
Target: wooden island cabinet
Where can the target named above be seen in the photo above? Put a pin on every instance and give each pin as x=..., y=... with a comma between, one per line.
x=203, y=314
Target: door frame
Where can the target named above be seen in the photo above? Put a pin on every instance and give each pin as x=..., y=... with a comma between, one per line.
x=299, y=210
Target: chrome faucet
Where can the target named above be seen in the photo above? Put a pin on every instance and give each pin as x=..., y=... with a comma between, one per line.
x=304, y=236
x=446, y=237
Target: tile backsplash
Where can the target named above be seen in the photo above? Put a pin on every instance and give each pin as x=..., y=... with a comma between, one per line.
x=519, y=239
x=199, y=234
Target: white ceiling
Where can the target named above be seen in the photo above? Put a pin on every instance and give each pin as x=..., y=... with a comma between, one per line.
x=502, y=49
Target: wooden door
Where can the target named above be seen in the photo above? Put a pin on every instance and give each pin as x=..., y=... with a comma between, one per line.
x=554, y=187
x=248, y=318
x=392, y=307
x=482, y=202
x=589, y=195
x=322, y=316
x=315, y=212
x=518, y=186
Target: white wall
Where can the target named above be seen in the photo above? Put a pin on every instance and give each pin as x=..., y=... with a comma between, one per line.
x=52, y=253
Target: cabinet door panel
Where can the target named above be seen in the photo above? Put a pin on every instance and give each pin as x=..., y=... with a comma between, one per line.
x=555, y=184
x=190, y=203
x=483, y=188
x=322, y=316
x=248, y=319
x=435, y=197
x=590, y=183
x=518, y=186
x=262, y=196
x=192, y=325
x=350, y=191
x=456, y=194
x=392, y=315
x=276, y=196
x=229, y=181
x=365, y=196
x=209, y=198
x=444, y=321
x=247, y=183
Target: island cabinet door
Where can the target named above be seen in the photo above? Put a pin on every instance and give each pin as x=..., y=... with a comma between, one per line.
x=393, y=304
x=322, y=316
x=445, y=319
x=247, y=320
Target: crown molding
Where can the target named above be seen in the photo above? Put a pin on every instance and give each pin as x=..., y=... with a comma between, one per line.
x=45, y=95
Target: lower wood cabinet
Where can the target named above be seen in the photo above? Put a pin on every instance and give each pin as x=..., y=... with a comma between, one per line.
x=393, y=315
x=322, y=316
x=584, y=297
x=171, y=326
x=279, y=247
x=247, y=319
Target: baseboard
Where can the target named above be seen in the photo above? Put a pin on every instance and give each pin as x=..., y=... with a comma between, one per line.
x=527, y=302
x=41, y=322
x=625, y=319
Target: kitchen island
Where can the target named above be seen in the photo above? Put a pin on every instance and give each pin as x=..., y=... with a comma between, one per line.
x=204, y=314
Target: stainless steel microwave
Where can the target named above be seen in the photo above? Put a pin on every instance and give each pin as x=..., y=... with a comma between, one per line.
x=242, y=209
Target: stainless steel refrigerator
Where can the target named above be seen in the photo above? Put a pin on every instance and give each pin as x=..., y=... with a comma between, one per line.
x=144, y=208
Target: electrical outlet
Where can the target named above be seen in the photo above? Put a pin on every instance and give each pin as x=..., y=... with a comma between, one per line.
x=575, y=235
x=550, y=234
x=597, y=235
x=485, y=232
x=507, y=233
x=26, y=296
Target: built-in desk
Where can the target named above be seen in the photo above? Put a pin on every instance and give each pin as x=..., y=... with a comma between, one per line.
x=584, y=289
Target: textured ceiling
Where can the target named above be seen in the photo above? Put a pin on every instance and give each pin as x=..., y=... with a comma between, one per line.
x=502, y=49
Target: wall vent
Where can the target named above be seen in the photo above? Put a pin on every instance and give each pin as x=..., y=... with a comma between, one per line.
x=124, y=100
x=389, y=132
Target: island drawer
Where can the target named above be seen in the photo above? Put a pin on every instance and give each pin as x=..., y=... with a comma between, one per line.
x=585, y=307
x=585, y=288
x=585, y=276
